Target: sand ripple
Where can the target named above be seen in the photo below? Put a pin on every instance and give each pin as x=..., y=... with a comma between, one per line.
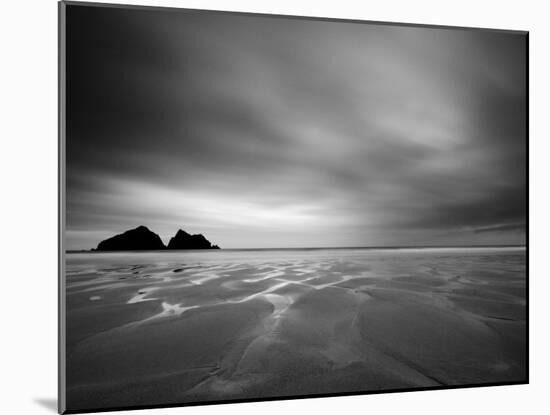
x=280, y=323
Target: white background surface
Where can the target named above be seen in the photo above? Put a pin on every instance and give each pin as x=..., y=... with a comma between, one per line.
x=28, y=238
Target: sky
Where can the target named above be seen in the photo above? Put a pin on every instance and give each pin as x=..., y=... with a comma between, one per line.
x=280, y=132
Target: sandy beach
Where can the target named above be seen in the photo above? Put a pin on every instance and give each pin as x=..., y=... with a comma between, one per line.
x=180, y=327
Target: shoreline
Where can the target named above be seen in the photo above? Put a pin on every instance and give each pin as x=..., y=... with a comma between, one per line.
x=327, y=248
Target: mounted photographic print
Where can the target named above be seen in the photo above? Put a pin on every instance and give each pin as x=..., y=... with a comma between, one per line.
x=258, y=207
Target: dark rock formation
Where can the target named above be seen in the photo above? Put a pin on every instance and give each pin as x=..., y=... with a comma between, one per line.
x=137, y=239
x=183, y=240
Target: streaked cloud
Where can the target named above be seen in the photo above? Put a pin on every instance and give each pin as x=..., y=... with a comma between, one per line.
x=279, y=132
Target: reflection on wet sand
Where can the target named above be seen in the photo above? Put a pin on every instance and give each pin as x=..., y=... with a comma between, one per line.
x=183, y=327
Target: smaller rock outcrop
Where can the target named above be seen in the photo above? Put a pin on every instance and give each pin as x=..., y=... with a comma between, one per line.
x=183, y=240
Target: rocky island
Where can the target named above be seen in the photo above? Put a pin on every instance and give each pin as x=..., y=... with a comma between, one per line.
x=138, y=239
x=143, y=239
x=183, y=240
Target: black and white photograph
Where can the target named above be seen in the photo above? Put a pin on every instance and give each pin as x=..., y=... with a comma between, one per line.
x=259, y=207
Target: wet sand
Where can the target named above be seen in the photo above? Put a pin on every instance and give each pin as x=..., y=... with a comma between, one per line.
x=181, y=327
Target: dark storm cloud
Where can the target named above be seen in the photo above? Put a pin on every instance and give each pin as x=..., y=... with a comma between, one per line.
x=275, y=132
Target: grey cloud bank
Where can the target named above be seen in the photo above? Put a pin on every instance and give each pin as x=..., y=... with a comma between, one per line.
x=270, y=132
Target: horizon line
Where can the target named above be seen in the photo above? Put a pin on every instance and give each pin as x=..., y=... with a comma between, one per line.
x=315, y=247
